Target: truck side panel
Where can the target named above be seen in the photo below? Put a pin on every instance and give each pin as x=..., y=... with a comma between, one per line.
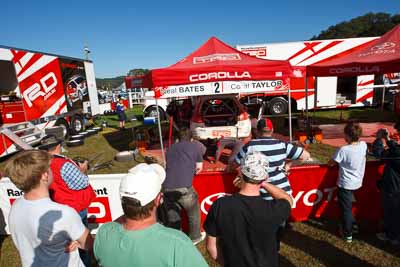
x=305, y=53
x=42, y=89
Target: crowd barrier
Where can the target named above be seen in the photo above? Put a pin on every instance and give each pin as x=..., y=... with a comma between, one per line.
x=314, y=194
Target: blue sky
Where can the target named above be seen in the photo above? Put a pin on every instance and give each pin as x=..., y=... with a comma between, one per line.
x=125, y=34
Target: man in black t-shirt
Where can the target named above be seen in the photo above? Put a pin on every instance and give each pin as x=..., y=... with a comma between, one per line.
x=241, y=228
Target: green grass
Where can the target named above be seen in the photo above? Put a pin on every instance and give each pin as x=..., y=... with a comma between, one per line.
x=112, y=120
x=105, y=144
x=321, y=152
x=354, y=114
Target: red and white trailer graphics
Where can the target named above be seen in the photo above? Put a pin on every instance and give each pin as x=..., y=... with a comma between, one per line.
x=332, y=91
x=45, y=90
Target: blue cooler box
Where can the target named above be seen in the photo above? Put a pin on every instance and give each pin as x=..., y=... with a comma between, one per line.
x=149, y=120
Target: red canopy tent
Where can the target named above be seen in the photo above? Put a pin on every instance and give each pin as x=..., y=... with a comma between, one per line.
x=217, y=68
x=134, y=81
x=214, y=62
x=378, y=57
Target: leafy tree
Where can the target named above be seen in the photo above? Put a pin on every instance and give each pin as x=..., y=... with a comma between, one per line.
x=370, y=24
x=134, y=72
x=109, y=83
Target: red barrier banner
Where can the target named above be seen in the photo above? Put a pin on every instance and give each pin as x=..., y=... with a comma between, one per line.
x=314, y=194
x=314, y=191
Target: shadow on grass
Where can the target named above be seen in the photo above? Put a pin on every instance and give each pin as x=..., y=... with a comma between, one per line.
x=367, y=233
x=119, y=140
x=283, y=262
x=372, y=240
x=2, y=230
x=323, y=251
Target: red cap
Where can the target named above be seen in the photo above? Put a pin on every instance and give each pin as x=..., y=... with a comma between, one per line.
x=265, y=124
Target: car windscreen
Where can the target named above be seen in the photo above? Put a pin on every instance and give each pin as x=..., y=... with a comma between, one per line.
x=219, y=107
x=79, y=80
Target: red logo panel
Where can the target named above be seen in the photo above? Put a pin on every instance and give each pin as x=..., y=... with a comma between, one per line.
x=99, y=211
x=42, y=89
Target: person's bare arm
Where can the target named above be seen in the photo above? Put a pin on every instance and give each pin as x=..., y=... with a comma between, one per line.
x=86, y=240
x=212, y=248
x=305, y=155
x=232, y=166
x=276, y=192
x=211, y=244
x=83, y=166
x=199, y=167
x=332, y=163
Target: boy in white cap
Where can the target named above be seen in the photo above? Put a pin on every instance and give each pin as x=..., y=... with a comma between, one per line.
x=243, y=226
x=136, y=239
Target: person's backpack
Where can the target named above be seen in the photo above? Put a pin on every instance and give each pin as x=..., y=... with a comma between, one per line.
x=168, y=212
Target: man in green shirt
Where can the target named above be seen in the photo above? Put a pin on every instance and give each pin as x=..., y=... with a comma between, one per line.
x=136, y=239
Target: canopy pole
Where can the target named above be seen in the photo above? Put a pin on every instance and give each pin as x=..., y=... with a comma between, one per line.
x=159, y=131
x=290, y=115
x=315, y=97
x=307, y=122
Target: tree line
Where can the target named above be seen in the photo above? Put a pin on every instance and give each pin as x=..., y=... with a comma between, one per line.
x=368, y=25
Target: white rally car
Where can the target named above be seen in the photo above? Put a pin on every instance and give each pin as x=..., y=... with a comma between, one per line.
x=219, y=116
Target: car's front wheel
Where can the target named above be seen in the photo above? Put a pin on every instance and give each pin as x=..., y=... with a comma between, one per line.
x=152, y=112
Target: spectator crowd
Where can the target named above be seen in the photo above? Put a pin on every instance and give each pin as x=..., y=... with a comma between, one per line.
x=49, y=227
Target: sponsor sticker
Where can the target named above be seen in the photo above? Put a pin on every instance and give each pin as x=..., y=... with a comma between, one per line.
x=219, y=133
x=216, y=57
x=255, y=51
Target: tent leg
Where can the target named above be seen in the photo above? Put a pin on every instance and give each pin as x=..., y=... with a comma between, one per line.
x=290, y=115
x=315, y=98
x=383, y=98
x=307, y=119
x=159, y=131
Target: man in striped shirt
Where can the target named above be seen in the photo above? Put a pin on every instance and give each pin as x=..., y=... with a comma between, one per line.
x=277, y=152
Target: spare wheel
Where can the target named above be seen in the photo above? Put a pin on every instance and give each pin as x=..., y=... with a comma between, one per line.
x=84, y=134
x=92, y=132
x=74, y=143
x=76, y=137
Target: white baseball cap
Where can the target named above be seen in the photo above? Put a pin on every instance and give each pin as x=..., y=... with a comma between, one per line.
x=255, y=166
x=143, y=182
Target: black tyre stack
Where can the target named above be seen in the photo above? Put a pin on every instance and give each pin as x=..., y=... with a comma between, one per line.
x=79, y=139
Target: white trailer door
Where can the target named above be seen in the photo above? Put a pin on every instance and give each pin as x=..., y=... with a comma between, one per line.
x=92, y=88
x=326, y=88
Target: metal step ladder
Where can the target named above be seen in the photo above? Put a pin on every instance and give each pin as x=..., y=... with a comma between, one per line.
x=24, y=134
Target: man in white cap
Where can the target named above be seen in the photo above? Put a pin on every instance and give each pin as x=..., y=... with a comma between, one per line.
x=136, y=239
x=243, y=226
